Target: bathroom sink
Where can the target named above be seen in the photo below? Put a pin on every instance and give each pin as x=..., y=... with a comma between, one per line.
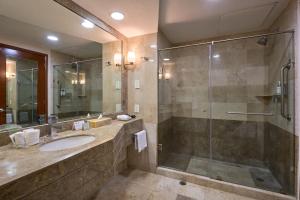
x=67, y=142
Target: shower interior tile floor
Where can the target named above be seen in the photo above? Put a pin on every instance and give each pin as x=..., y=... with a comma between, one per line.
x=258, y=177
x=140, y=185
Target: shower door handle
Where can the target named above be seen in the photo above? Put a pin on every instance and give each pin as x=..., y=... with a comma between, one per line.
x=284, y=78
x=245, y=113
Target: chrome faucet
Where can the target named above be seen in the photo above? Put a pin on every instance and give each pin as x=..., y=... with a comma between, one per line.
x=55, y=128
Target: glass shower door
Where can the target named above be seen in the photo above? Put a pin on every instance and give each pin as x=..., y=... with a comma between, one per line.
x=184, y=111
x=252, y=84
x=27, y=96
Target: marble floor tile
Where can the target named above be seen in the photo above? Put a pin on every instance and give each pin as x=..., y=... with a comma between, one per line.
x=224, y=171
x=140, y=185
x=177, y=161
x=181, y=197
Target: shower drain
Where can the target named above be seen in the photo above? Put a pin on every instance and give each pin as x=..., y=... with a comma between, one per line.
x=260, y=179
x=219, y=178
x=182, y=182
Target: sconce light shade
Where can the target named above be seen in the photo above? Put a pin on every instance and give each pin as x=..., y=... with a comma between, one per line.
x=167, y=76
x=131, y=57
x=160, y=76
x=118, y=59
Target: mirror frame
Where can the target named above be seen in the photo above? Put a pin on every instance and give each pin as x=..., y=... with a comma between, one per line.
x=42, y=86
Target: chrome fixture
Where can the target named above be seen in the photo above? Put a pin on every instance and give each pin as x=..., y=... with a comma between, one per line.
x=226, y=40
x=244, y=113
x=284, y=78
x=262, y=41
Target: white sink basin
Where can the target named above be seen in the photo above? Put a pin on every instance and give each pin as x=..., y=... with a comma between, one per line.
x=67, y=142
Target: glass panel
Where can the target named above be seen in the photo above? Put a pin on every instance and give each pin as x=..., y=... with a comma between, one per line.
x=252, y=144
x=21, y=92
x=183, y=129
x=78, y=88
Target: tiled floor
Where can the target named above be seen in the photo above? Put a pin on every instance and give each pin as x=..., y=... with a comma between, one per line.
x=140, y=185
x=230, y=172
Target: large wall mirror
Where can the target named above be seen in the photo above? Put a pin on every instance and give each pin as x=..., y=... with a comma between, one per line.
x=53, y=61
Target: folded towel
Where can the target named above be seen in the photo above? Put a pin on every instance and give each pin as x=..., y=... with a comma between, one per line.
x=140, y=141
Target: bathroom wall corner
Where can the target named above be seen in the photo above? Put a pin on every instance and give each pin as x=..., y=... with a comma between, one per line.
x=146, y=96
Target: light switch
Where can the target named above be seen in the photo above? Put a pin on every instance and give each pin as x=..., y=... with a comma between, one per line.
x=118, y=84
x=118, y=107
x=136, y=108
x=137, y=84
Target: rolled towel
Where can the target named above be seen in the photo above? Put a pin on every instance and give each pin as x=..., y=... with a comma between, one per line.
x=140, y=141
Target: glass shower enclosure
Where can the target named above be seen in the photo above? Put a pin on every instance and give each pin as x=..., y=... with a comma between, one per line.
x=228, y=107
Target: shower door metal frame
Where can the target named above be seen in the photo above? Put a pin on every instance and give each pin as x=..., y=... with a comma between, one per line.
x=226, y=40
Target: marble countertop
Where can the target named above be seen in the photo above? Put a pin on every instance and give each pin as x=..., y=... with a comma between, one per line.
x=16, y=163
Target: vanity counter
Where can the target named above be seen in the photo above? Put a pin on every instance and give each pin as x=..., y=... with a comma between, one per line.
x=16, y=163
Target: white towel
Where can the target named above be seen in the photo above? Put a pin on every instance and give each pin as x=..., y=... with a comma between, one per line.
x=140, y=141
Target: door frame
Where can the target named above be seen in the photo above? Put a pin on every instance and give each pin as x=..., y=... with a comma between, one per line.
x=42, y=80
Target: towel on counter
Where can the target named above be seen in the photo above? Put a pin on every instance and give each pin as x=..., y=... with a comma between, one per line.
x=140, y=141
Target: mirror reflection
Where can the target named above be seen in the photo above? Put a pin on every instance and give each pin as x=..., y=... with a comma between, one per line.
x=54, y=66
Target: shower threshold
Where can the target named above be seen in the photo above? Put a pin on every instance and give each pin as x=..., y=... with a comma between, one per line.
x=255, y=177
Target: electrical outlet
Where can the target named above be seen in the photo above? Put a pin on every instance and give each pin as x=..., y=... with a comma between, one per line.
x=137, y=84
x=118, y=107
x=136, y=108
x=118, y=84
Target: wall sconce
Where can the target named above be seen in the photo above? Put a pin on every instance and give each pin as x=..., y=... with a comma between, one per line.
x=130, y=59
x=108, y=63
x=160, y=76
x=118, y=59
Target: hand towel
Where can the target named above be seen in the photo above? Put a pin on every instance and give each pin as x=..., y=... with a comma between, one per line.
x=140, y=140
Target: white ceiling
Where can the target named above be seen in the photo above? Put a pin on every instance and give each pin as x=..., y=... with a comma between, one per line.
x=49, y=15
x=141, y=16
x=189, y=20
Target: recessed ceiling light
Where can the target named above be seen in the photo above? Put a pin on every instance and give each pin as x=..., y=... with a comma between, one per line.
x=52, y=38
x=216, y=56
x=87, y=24
x=117, y=16
x=153, y=46
x=166, y=59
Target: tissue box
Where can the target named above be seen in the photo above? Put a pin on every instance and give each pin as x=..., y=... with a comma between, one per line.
x=32, y=136
x=94, y=123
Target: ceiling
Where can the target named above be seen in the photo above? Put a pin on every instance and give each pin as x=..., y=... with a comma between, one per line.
x=49, y=15
x=141, y=16
x=199, y=19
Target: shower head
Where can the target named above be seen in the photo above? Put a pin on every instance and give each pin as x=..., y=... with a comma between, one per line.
x=262, y=41
x=74, y=64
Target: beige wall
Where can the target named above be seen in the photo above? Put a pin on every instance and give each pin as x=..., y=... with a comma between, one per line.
x=146, y=96
x=111, y=74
